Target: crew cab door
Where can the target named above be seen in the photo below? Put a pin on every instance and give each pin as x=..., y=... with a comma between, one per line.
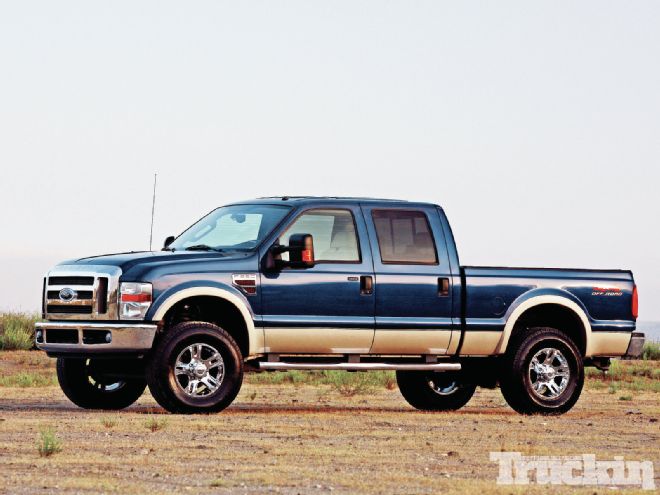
x=413, y=280
x=327, y=308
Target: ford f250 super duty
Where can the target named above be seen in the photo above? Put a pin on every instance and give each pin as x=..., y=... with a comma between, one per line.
x=328, y=284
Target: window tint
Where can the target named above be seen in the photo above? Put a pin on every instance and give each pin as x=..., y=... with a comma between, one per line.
x=334, y=235
x=404, y=237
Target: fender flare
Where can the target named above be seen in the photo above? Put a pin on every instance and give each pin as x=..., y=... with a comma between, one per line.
x=255, y=336
x=537, y=300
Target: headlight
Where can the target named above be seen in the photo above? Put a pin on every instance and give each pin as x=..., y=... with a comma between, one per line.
x=134, y=300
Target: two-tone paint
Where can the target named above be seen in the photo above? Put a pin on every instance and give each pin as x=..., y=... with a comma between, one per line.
x=321, y=310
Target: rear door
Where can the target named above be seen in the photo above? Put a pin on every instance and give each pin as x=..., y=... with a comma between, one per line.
x=413, y=280
x=324, y=309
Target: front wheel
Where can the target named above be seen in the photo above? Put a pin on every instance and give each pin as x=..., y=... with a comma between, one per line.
x=197, y=367
x=543, y=373
x=95, y=383
x=434, y=391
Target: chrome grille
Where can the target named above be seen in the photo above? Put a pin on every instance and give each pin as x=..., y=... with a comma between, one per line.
x=82, y=292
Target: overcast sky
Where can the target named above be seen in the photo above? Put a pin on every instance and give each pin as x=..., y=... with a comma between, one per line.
x=535, y=124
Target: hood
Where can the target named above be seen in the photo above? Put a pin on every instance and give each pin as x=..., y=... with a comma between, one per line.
x=126, y=261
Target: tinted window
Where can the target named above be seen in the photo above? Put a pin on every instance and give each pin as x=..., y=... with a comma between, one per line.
x=333, y=231
x=240, y=227
x=404, y=237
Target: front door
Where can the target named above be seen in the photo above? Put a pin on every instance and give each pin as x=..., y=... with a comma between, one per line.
x=326, y=309
x=413, y=281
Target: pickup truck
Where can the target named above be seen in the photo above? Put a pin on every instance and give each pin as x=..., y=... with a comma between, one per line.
x=308, y=283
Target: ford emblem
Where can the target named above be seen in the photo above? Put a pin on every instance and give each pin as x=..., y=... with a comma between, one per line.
x=67, y=295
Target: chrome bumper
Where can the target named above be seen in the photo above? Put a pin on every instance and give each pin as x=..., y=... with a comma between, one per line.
x=636, y=346
x=89, y=338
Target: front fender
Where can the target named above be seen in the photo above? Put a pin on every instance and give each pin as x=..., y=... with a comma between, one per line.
x=173, y=295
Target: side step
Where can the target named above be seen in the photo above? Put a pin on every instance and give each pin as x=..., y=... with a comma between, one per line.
x=280, y=365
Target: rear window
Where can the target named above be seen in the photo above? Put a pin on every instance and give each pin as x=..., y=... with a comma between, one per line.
x=404, y=237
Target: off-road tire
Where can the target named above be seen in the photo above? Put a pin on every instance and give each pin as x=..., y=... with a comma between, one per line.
x=84, y=388
x=515, y=381
x=419, y=390
x=162, y=380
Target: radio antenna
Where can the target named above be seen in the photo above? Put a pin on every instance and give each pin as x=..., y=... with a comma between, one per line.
x=153, y=208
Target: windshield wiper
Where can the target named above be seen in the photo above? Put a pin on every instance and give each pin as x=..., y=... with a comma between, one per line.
x=203, y=247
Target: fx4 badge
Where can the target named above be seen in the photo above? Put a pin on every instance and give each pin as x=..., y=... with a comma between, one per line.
x=606, y=291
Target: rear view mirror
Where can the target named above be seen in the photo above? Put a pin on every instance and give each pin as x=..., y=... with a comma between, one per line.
x=301, y=250
x=301, y=253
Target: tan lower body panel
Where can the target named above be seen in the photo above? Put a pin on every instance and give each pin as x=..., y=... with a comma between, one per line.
x=609, y=343
x=411, y=342
x=319, y=340
x=480, y=343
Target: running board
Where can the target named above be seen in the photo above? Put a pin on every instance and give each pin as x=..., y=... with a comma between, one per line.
x=280, y=365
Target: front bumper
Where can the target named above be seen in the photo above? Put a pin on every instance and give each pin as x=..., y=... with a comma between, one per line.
x=68, y=337
x=636, y=346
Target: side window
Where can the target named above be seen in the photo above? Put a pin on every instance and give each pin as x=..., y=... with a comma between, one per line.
x=404, y=237
x=334, y=235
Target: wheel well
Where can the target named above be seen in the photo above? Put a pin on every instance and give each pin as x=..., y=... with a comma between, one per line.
x=555, y=316
x=211, y=310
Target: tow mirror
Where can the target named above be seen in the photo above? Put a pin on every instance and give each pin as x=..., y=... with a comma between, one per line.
x=168, y=240
x=301, y=253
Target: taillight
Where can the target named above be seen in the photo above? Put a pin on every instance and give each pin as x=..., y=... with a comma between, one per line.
x=635, y=303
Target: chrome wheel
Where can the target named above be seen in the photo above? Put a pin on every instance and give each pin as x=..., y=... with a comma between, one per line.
x=443, y=387
x=199, y=370
x=549, y=373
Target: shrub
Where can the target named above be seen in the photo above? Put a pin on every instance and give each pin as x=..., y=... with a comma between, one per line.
x=651, y=351
x=48, y=443
x=17, y=331
x=155, y=424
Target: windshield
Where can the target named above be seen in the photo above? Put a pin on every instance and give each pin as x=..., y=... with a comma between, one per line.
x=239, y=227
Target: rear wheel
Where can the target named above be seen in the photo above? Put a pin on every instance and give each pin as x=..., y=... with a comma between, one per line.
x=95, y=383
x=196, y=368
x=434, y=391
x=543, y=373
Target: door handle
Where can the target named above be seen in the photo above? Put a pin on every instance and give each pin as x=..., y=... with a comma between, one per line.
x=366, y=285
x=443, y=287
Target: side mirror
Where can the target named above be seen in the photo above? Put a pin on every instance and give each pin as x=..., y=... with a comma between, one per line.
x=301, y=251
x=301, y=254
x=168, y=240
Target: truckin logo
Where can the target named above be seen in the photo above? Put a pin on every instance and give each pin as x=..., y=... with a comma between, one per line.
x=585, y=469
x=606, y=291
x=67, y=295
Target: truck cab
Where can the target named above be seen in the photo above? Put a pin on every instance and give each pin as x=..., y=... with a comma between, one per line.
x=328, y=283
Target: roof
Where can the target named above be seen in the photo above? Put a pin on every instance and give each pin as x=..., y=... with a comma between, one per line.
x=302, y=200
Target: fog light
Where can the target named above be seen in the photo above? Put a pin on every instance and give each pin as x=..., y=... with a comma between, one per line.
x=39, y=335
x=108, y=337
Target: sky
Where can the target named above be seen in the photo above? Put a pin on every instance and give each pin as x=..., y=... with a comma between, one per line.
x=536, y=125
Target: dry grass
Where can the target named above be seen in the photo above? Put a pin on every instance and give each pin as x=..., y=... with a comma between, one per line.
x=17, y=330
x=292, y=437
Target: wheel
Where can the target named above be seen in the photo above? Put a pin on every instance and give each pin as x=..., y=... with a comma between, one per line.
x=543, y=373
x=89, y=383
x=196, y=367
x=434, y=391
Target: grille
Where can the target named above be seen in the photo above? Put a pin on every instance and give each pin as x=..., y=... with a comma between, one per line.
x=70, y=280
x=64, y=309
x=82, y=294
x=95, y=286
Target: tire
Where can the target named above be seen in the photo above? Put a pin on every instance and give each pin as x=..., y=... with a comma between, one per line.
x=429, y=391
x=527, y=382
x=209, y=374
x=83, y=382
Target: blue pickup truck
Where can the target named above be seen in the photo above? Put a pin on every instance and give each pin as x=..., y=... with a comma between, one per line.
x=306, y=283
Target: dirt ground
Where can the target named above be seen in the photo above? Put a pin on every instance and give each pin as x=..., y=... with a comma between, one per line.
x=305, y=439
